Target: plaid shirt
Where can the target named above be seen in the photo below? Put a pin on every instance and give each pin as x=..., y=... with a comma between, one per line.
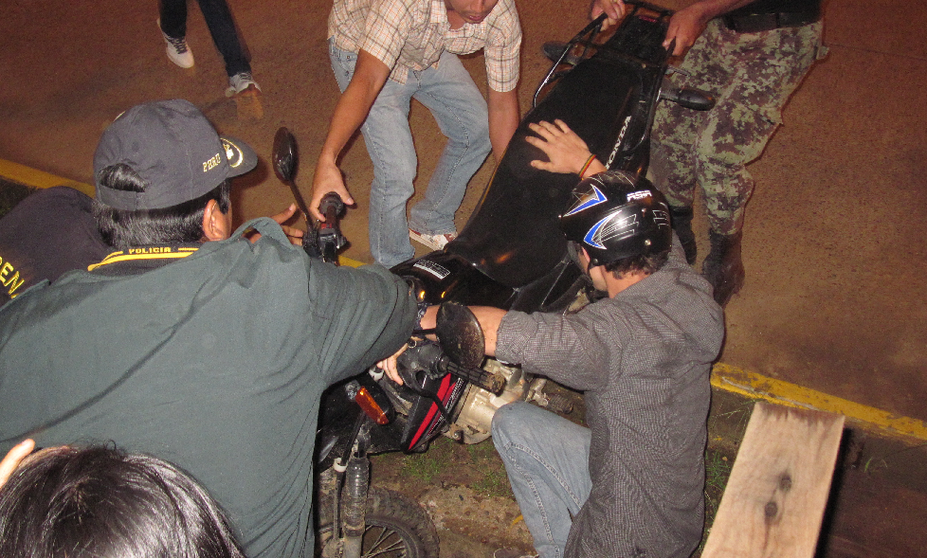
x=411, y=35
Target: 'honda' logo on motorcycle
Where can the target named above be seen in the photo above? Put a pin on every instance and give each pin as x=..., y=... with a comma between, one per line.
x=624, y=128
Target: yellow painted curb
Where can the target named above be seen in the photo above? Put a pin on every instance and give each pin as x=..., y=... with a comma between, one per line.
x=349, y=262
x=39, y=179
x=756, y=386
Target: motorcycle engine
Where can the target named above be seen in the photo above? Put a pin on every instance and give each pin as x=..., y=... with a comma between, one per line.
x=479, y=406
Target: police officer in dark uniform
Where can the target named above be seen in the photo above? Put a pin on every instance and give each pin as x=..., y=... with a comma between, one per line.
x=50, y=232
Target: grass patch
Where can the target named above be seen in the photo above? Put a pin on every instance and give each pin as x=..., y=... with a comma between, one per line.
x=717, y=472
x=476, y=466
x=483, y=450
x=423, y=466
x=727, y=420
x=495, y=483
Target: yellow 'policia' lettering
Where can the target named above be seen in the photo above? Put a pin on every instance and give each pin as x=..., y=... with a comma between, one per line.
x=149, y=253
x=154, y=250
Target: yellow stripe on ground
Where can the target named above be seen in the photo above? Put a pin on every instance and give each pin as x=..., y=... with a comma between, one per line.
x=349, y=262
x=756, y=386
x=39, y=179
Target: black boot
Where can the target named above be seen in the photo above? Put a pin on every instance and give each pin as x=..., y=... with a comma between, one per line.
x=723, y=267
x=682, y=224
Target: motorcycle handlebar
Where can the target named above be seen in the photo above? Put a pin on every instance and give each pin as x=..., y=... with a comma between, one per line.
x=332, y=208
x=325, y=239
x=493, y=383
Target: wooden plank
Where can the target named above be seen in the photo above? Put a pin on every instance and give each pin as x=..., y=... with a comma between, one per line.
x=774, y=501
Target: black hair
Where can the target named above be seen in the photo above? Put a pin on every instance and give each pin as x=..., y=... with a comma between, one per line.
x=646, y=263
x=100, y=502
x=177, y=224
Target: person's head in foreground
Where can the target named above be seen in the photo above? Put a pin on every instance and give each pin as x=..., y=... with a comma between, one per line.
x=100, y=502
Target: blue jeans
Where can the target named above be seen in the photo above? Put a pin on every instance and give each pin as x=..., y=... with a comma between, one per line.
x=459, y=108
x=547, y=461
x=221, y=26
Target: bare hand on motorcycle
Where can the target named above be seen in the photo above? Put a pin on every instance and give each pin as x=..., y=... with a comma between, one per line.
x=688, y=23
x=13, y=459
x=568, y=153
x=327, y=179
x=295, y=235
x=388, y=365
x=613, y=9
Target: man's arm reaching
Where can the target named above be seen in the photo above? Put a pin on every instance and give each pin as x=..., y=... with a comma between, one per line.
x=369, y=76
x=688, y=23
x=503, y=120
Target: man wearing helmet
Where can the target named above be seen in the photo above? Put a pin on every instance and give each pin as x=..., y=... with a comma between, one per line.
x=632, y=483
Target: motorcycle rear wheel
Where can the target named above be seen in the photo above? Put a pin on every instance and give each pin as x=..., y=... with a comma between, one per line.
x=396, y=526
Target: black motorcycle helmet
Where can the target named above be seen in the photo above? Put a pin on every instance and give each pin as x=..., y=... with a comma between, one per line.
x=617, y=215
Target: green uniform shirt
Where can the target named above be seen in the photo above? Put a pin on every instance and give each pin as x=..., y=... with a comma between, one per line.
x=215, y=361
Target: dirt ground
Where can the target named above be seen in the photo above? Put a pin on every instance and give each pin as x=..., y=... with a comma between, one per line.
x=835, y=236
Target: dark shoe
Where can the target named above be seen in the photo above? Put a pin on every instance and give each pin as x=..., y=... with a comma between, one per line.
x=553, y=49
x=682, y=224
x=723, y=266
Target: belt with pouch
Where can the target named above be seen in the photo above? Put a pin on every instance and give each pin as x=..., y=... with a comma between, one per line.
x=754, y=23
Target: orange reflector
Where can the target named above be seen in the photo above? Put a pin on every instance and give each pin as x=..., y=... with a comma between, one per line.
x=370, y=407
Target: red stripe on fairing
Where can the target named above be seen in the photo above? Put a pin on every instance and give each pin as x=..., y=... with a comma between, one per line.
x=443, y=391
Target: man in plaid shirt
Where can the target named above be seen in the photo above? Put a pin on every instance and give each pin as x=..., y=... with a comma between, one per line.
x=386, y=52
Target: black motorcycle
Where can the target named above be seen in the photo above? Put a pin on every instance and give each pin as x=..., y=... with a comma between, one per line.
x=511, y=255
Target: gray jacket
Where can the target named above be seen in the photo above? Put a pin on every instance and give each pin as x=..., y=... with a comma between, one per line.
x=643, y=359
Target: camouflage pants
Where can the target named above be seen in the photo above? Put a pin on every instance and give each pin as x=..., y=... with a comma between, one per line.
x=752, y=76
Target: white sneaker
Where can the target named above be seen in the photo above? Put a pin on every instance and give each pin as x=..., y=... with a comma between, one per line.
x=241, y=82
x=433, y=241
x=177, y=50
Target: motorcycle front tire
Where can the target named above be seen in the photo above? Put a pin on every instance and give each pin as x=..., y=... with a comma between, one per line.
x=396, y=525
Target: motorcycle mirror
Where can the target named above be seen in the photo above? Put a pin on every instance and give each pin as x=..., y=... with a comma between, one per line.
x=285, y=163
x=284, y=155
x=460, y=335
